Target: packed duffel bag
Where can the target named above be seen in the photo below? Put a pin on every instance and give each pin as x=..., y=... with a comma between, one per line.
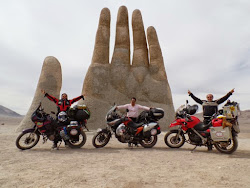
x=79, y=112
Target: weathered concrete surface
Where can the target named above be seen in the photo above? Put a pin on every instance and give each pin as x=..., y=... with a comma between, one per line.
x=51, y=81
x=145, y=78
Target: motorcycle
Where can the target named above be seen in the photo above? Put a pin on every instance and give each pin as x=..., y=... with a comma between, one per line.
x=221, y=132
x=144, y=132
x=50, y=129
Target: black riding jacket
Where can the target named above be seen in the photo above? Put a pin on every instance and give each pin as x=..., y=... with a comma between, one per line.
x=209, y=108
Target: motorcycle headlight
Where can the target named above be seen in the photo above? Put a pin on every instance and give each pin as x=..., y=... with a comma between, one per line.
x=109, y=117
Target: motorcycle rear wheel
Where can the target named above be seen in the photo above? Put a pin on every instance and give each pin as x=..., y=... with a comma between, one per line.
x=27, y=140
x=80, y=143
x=148, y=142
x=172, y=141
x=101, y=139
x=227, y=147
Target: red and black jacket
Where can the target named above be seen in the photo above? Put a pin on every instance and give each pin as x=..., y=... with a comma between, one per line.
x=63, y=105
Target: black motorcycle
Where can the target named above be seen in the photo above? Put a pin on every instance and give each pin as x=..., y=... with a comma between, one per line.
x=143, y=132
x=50, y=129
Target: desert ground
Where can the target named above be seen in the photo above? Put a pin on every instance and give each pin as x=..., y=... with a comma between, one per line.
x=117, y=165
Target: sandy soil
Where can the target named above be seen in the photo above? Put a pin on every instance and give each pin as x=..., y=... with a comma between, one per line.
x=116, y=165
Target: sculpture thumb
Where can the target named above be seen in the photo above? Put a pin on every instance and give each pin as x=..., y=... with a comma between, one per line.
x=51, y=81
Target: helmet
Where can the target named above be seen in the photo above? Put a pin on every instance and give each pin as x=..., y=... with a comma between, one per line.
x=62, y=116
x=192, y=109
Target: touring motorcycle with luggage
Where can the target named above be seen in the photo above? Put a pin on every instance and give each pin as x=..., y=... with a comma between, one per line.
x=67, y=126
x=144, y=131
x=221, y=132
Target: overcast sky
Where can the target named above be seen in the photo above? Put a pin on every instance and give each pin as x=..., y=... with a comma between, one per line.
x=205, y=45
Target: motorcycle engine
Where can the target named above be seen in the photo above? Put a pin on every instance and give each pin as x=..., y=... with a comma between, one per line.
x=194, y=138
x=122, y=133
x=51, y=137
x=120, y=130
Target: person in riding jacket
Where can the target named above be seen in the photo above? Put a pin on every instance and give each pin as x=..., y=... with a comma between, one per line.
x=132, y=109
x=210, y=106
x=63, y=105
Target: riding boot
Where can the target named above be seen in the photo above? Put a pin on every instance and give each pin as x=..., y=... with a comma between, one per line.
x=54, y=146
x=209, y=147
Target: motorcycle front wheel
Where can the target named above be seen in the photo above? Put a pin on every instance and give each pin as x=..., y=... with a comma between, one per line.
x=173, y=141
x=227, y=147
x=148, y=142
x=27, y=140
x=101, y=139
x=79, y=143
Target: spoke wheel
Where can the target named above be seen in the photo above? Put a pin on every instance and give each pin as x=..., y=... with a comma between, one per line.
x=27, y=140
x=173, y=141
x=227, y=147
x=79, y=143
x=148, y=142
x=101, y=139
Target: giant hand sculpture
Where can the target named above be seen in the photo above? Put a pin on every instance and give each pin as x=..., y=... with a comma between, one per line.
x=118, y=81
x=50, y=80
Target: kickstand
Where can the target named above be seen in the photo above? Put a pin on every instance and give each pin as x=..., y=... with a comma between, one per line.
x=193, y=149
x=86, y=127
x=59, y=146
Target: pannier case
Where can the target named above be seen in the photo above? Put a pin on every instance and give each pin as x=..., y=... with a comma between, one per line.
x=220, y=134
x=230, y=111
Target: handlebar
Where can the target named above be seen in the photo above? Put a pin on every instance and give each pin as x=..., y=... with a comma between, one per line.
x=40, y=104
x=188, y=118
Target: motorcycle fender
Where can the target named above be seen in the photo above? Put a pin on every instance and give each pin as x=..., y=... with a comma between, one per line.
x=29, y=130
x=99, y=130
x=102, y=130
x=177, y=127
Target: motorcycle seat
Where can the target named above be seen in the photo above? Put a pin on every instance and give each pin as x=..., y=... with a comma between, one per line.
x=201, y=126
x=139, y=124
x=136, y=125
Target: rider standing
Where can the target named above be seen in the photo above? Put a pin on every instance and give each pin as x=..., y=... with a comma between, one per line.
x=63, y=105
x=210, y=106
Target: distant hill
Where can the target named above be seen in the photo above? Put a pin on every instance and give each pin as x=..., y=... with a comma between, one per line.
x=7, y=112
